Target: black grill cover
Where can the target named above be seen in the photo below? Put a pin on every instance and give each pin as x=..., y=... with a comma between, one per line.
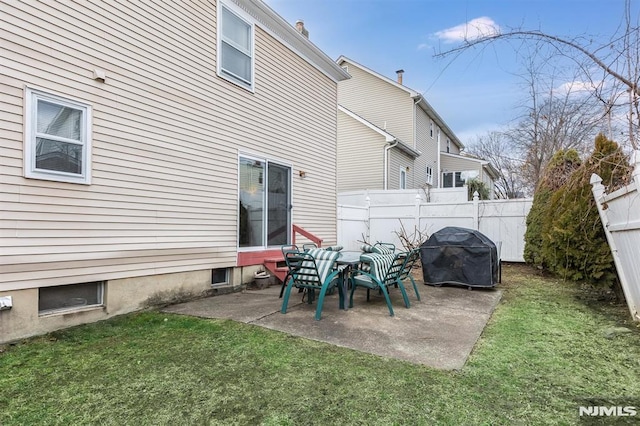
x=460, y=256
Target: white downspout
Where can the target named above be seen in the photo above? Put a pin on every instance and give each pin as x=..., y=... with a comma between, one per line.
x=415, y=122
x=438, y=166
x=390, y=145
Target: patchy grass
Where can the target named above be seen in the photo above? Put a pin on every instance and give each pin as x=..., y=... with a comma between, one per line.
x=548, y=349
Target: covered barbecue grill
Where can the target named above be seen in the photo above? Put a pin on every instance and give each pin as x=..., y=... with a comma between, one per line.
x=462, y=256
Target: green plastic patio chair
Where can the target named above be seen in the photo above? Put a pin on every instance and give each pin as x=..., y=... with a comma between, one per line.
x=285, y=249
x=312, y=270
x=385, y=269
x=409, y=262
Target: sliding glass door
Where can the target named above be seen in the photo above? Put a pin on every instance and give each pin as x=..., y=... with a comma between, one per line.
x=265, y=203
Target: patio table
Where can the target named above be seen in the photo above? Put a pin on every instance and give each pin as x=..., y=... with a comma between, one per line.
x=348, y=259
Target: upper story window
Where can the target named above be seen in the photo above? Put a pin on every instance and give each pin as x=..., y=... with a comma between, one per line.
x=57, y=138
x=431, y=130
x=235, y=46
x=448, y=145
x=429, y=179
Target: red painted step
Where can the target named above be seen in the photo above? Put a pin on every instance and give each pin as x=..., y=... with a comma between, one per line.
x=277, y=267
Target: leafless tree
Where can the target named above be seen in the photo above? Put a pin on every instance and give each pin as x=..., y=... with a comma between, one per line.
x=553, y=116
x=612, y=69
x=500, y=149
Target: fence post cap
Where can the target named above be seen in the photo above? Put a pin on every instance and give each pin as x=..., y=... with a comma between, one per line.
x=595, y=179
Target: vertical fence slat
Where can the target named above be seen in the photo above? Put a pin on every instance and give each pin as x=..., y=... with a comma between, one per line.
x=620, y=216
x=500, y=220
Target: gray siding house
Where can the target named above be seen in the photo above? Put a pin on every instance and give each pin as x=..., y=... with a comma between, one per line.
x=389, y=137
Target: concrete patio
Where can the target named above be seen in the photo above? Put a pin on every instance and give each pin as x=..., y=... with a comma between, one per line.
x=439, y=331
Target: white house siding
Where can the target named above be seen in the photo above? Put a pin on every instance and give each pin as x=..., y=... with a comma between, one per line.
x=459, y=164
x=428, y=147
x=379, y=102
x=360, y=155
x=166, y=136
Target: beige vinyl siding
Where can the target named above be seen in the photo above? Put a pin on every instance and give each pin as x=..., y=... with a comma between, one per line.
x=360, y=155
x=166, y=136
x=378, y=102
x=399, y=160
x=454, y=149
x=459, y=164
x=428, y=148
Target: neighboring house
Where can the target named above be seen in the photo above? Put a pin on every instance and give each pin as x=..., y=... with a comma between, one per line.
x=151, y=153
x=389, y=137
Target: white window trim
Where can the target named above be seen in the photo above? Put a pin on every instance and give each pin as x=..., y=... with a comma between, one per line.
x=79, y=308
x=30, y=116
x=240, y=14
x=429, y=180
x=266, y=159
x=403, y=172
x=453, y=179
x=431, y=129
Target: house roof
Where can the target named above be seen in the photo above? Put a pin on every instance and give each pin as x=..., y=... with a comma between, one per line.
x=418, y=97
x=491, y=170
x=278, y=27
x=388, y=136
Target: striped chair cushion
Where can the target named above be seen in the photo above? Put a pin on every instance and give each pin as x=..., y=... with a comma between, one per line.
x=366, y=248
x=334, y=248
x=377, y=248
x=382, y=249
x=379, y=263
x=324, y=262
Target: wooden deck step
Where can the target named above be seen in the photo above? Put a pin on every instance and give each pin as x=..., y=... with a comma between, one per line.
x=277, y=267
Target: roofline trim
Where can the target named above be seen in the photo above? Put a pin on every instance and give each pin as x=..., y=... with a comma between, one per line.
x=389, y=138
x=274, y=24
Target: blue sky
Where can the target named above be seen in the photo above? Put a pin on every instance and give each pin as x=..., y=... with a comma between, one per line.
x=478, y=91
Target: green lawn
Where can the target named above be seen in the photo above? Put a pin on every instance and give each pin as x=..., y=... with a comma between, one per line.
x=545, y=352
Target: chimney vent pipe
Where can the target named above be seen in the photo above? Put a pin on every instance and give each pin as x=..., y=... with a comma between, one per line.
x=301, y=29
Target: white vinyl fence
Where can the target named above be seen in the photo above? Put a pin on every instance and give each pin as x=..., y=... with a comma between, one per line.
x=620, y=216
x=501, y=220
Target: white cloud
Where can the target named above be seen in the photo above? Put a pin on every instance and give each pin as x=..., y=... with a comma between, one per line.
x=423, y=46
x=575, y=87
x=474, y=29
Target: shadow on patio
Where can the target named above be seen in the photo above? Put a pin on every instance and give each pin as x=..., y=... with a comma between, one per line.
x=439, y=331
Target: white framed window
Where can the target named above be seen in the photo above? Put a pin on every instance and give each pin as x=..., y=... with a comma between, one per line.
x=429, y=180
x=431, y=130
x=57, y=143
x=403, y=179
x=448, y=145
x=219, y=276
x=457, y=179
x=452, y=180
x=71, y=297
x=235, y=45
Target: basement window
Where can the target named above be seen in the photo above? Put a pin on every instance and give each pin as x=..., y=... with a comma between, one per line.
x=70, y=297
x=220, y=276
